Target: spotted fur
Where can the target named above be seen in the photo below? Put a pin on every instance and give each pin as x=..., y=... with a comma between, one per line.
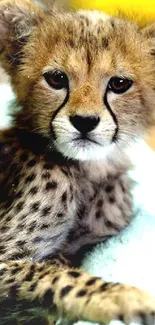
x=59, y=191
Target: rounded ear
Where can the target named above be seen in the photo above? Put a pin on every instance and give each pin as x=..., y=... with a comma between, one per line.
x=54, y=4
x=17, y=19
x=149, y=30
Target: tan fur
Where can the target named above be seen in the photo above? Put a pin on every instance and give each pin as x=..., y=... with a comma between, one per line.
x=59, y=192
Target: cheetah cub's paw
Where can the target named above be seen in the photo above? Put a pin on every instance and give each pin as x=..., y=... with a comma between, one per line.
x=127, y=304
x=101, y=302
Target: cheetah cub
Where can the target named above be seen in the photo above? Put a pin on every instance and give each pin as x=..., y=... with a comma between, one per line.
x=85, y=86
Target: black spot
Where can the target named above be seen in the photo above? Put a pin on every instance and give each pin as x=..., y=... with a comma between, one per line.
x=3, y=271
x=45, y=175
x=99, y=203
x=110, y=224
x=81, y=293
x=31, y=163
x=71, y=43
x=143, y=317
x=41, y=268
x=19, y=194
x=37, y=239
x=19, y=206
x=41, y=276
x=16, y=256
x=122, y=187
x=48, y=298
x=56, y=278
x=112, y=23
x=32, y=226
x=87, y=301
x=74, y=274
x=15, y=270
x=111, y=199
x=51, y=186
x=29, y=276
x=89, y=58
x=64, y=197
x=35, y=206
x=24, y=156
x=98, y=214
x=105, y=286
x=30, y=178
x=45, y=211
x=33, y=190
x=121, y=317
x=81, y=211
x=2, y=249
x=60, y=215
x=44, y=226
x=105, y=43
x=4, y=229
x=20, y=226
x=65, y=291
x=48, y=165
x=8, y=238
x=33, y=286
x=152, y=52
x=91, y=281
x=92, y=198
x=71, y=192
x=20, y=243
x=65, y=171
x=9, y=281
x=109, y=188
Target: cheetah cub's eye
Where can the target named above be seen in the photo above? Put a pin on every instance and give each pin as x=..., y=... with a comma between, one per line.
x=119, y=85
x=56, y=79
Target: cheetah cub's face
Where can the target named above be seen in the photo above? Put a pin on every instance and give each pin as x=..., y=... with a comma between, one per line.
x=84, y=80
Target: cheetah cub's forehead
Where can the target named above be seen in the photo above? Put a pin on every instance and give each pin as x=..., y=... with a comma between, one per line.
x=84, y=80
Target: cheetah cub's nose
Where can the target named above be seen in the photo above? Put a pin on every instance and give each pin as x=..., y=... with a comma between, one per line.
x=84, y=124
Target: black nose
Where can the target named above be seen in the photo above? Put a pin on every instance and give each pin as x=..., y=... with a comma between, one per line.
x=84, y=124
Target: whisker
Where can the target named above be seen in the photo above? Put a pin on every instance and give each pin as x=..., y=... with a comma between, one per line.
x=37, y=129
x=131, y=134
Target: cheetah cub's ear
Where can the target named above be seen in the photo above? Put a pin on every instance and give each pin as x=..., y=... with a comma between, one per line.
x=149, y=29
x=148, y=33
x=17, y=20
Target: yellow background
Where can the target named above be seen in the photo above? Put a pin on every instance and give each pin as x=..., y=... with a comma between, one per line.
x=142, y=11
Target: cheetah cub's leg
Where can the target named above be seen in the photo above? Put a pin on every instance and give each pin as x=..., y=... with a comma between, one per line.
x=70, y=294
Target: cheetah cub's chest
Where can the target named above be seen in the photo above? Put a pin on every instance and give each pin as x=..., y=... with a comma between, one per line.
x=60, y=208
